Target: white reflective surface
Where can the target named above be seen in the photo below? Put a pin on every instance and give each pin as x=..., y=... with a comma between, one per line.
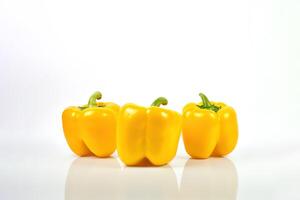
x=69, y=177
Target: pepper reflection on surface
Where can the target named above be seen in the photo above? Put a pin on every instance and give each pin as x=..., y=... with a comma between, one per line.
x=94, y=178
x=213, y=178
x=149, y=183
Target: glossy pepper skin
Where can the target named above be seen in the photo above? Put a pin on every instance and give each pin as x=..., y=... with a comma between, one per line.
x=148, y=135
x=209, y=129
x=91, y=129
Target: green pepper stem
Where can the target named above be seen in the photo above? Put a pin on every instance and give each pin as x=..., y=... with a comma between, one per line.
x=205, y=100
x=160, y=101
x=93, y=99
x=207, y=104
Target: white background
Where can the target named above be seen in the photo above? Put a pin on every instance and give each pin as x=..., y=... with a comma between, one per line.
x=245, y=53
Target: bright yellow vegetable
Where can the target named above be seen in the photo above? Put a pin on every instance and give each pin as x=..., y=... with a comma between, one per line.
x=91, y=129
x=148, y=134
x=209, y=129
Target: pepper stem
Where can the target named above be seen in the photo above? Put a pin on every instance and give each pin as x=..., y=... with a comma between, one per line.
x=160, y=101
x=205, y=100
x=207, y=104
x=93, y=99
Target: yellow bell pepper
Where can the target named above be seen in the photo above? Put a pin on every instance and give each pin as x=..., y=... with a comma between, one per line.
x=148, y=135
x=91, y=129
x=209, y=129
